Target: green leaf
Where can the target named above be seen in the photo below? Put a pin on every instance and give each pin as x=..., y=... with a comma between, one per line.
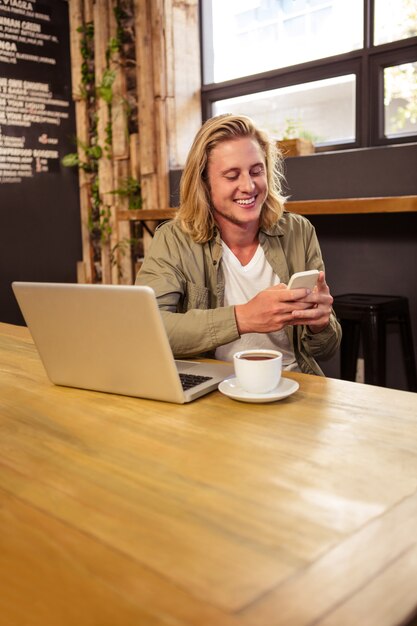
x=114, y=45
x=105, y=93
x=70, y=160
x=94, y=152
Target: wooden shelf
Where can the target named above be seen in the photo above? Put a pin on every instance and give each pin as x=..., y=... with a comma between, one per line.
x=337, y=206
x=140, y=215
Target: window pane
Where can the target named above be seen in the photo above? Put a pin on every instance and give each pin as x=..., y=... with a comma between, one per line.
x=322, y=111
x=242, y=38
x=400, y=100
x=394, y=20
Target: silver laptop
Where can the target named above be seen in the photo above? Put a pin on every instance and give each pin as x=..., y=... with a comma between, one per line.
x=110, y=338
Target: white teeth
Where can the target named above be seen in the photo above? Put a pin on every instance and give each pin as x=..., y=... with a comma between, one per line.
x=248, y=201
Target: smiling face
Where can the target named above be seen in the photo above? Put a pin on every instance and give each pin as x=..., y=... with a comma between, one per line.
x=237, y=181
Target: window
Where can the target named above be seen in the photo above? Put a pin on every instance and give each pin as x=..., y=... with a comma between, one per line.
x=400, y=100
x=394, y=20
x=325, y=107
x=282, y=34
x=342, y=73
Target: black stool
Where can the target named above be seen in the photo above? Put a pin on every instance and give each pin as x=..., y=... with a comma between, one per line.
x=367, y=315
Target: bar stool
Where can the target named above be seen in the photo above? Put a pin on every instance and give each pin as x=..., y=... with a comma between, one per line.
x=366, y=316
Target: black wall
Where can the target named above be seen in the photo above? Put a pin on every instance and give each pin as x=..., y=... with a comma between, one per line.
x=374, y=254
x=363, y=173
x=365, y=253
x=39, y=214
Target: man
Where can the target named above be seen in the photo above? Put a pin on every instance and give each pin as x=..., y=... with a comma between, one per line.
x=220, y=269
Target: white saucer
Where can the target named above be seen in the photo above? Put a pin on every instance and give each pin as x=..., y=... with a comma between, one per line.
x=230, y=387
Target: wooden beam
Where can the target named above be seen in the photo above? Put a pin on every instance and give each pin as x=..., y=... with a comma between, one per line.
x=76, y=20
x=338, y=206
x=146, y=214
x=391, y=204
x=76, y=12
x=105, y=166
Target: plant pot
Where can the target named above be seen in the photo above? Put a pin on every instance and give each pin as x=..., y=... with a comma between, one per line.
x=295, y=147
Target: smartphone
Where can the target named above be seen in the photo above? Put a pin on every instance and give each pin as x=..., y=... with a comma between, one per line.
x=303, y=280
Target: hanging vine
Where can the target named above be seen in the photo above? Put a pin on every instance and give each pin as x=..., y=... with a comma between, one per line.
x=90, y=153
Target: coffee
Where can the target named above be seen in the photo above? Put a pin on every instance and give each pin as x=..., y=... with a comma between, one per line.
x=257, y=357
x=258, y=370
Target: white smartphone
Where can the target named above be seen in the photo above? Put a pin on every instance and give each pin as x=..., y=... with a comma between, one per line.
x=303, y=280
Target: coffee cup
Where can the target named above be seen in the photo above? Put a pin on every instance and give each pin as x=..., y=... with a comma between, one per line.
x=258, y=371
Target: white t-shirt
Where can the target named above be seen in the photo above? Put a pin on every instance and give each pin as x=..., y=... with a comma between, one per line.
x=242, y=283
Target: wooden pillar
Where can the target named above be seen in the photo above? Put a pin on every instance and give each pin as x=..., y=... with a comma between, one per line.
x=151, y=81
x=160, y=96
x=122, y=266
x=76, y=13
x=184, y=77
x=88, y=10
x=105, y=166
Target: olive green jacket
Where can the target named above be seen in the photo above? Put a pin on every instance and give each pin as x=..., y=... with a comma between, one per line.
x=188, y=280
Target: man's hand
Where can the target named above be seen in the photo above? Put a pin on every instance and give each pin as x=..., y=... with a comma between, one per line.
x=272, y=309
x=317, y=317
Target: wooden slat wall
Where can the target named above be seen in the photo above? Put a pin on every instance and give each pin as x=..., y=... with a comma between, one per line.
x=148, y=154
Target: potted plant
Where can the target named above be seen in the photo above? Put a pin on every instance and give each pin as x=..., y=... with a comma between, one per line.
x=295, y=141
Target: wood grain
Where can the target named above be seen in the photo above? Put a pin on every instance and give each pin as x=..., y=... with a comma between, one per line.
x=337, y=206
x=117, y=510
x=77, y=11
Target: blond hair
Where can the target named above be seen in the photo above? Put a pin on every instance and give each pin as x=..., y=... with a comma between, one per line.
x=195, y=215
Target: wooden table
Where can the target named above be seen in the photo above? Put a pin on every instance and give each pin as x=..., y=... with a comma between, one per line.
x=117, y=511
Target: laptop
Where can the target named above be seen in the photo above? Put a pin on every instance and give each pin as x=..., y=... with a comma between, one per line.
x=110, y=338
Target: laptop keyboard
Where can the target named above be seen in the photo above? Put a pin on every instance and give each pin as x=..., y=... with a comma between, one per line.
x=191, y=380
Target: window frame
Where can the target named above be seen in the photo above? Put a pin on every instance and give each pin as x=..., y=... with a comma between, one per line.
x=366, y=63
x=378, y=63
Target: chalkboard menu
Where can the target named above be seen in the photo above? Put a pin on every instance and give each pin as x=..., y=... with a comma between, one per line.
x=39, y=205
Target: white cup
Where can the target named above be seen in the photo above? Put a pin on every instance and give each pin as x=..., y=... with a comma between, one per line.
x=258, y=371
